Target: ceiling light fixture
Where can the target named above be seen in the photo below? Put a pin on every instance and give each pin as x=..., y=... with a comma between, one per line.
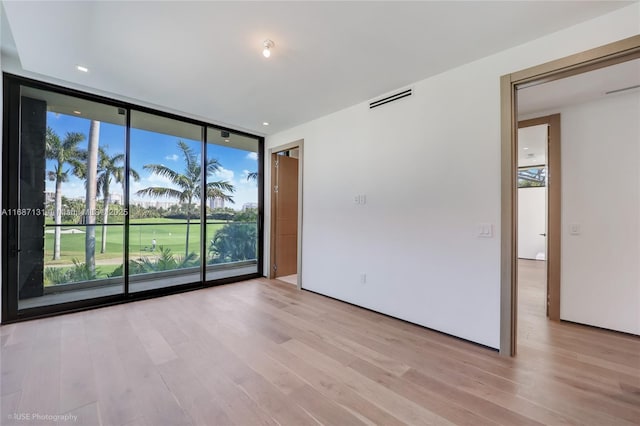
x=525, y=148
x=226, y=140
x=82, y=68
x=77, y=112
x=265, y=123
x=268, y=44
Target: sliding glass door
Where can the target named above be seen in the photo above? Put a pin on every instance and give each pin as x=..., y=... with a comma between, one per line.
x=105, y=202
x=68, y=214
x=232, y=212
x=164, y=224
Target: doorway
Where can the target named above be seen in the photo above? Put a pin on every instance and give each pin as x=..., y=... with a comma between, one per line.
x=539, y=205
x=595, y=59
x=286, y=217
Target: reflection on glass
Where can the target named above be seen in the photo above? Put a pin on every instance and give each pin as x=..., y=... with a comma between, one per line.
x=232, y=218
x=164, y=234
x=532, y=177
x=71, y=175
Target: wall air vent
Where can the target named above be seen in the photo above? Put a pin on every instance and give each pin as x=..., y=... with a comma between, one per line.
x=391, y=98
x=624, y=89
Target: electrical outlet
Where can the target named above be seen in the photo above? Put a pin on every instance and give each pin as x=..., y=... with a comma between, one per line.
x=363, y=278
x=574, y=229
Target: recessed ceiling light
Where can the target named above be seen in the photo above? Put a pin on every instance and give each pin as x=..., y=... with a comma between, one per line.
x=226, y=140
x=82, y=68
x=77, y=112
x=265, y=123
x=268, y=45
x=525, y=148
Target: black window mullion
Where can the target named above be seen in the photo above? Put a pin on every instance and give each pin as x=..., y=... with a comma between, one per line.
x=260, y=224
x=126, y=200
x=203, y=207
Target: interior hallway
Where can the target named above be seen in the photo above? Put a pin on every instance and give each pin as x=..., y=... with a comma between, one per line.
x=291, y=279
x=261, y=352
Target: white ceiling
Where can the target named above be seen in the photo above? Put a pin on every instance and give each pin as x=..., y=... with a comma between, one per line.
x=547, y=97
x=532, y=145
x=204, y=58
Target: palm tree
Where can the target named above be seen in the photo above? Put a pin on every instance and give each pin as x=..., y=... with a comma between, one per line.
x=62, y=152
x=188, y=183
x=165, y=261
x=234, y=242
x=91, y=189
x=109, y=168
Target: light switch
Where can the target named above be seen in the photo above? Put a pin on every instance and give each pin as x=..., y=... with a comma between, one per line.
x=485, y=230
x=574, y=229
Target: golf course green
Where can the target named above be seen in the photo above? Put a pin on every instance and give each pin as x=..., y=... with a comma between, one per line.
x=169, y=233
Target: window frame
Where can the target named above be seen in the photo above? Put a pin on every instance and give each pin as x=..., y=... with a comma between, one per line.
x=10, y=179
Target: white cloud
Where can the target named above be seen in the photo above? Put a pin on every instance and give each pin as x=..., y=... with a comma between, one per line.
x=224, y=174
x=252, y=156
x=244, y=195
x=244, y=181
x=74, y=188
x=149, y=181
x=156, y=178
x=173, y=157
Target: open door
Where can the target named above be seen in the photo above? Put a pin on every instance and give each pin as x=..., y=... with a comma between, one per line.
x=284, y=196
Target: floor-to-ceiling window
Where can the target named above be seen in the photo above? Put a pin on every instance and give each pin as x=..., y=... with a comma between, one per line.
x=104, y=201
x=165, y=219
x=232, y=211
x=68, y=216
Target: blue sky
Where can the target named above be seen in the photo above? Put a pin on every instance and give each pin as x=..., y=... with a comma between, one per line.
x=155, y=148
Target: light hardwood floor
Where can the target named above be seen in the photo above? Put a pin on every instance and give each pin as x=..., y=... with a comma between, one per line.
x=291, y=279
x=263, y=353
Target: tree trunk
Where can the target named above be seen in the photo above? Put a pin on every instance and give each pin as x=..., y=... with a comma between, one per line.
x=186, y=249
x=57, y=219
x=90, y=217
x=105, y=218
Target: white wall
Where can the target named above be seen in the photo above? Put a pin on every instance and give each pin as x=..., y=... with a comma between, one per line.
x=532, y=202
x=534, y=139
x=601, y=194
x=532, y=221
x=430, y=168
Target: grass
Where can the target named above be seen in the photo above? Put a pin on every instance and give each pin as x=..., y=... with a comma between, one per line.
x=167, y=232
x=104, y=270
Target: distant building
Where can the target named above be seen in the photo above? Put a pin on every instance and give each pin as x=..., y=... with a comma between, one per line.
x=49, y=196
x=115, y=198
x=217, y=203
x=153, y=203
x=249, y=206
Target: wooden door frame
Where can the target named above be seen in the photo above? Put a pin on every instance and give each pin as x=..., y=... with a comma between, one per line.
x=553, y=209
x=599, y=57
x=272, y=241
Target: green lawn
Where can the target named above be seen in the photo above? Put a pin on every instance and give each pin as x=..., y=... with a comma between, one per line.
x=103, y=270
x=167, y=232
